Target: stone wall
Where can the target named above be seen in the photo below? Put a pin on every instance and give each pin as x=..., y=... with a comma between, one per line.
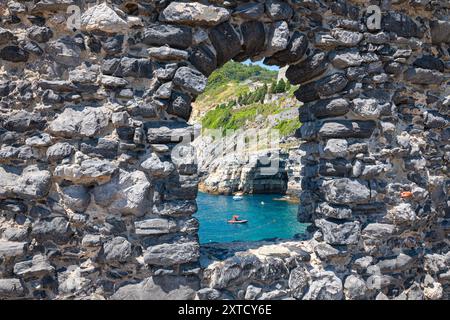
x=97, y=195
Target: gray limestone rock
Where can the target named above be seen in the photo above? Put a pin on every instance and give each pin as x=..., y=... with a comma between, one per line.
x=346, y=191
x=57, y=229
x=172, y=254
x=298, y=282
x=37, y=267
x=64, y=51
x=117, y=250
x=342, y=233
x=278, y=10
x=225, y=41
x=195, y=14
x=78, y=121
x=126, y=193
x=12, y=249
x=11, y=288
x=159, y=288
x=89, y=171
x=325, y=286
x=190, y=80
x=179, y=37
x=76, y=197
x=355, y=288
x=249, y=11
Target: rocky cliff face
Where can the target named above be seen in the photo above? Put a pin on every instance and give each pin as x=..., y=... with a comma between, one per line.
x=94, y=202
x=274, y=171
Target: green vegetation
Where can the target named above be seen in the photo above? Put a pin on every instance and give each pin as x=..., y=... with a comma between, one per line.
x=280, y=86
x=288, y=127
x=238, y=72
x=251, y=97
x=231, y=103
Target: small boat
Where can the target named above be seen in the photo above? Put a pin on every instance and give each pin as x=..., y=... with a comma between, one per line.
x=237, y=221
x=238, y=196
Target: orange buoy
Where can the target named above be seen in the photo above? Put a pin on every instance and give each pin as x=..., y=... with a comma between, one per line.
x=406, y=194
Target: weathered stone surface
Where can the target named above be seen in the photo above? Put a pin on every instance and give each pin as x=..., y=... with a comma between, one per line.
x=298, y=282
x=64, y=51
x=59, y=151
x=423, y=76
x=159, y=288
x=5, y=36
x=40, y=34
x=254, y=36
x=322, y=88
x=203, y=59
x=334, y=211
x=190, y=80
x=78, y=121
x=104, y=206
x=31, y=183
x=76, y=197
x=103, y=18
x=435, y=120
x=14, y=54
x=22, y=121
x=172, y=254
x=324, y=108
x=157, y=168
x=278, y=10
x=113, y=82
x=402, y=213
x=400, y=263
x=325, y=286
x=369, y=108
x=167, y=54
x=179, y=37
x=89, y=171
x=355, y=288
x=278, y=37
x=346, y=129
x=37, y=267
x=400, y=24
x=440, y=31
x=195, y=14
x=335, y=148
x=126, y=193
x=57, y=229
x=249, y=11
x=298, y=44
x=155, y=226
x=180, y=105
x=117, y=250
x=345, y=59
x=308, y=69
x=225, y=41
x=346, y=191
x=12, y=249
x=343, y=233
x=11, y=288
x=430, y=62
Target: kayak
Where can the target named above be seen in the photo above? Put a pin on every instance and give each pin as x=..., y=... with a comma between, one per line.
x=237, y=221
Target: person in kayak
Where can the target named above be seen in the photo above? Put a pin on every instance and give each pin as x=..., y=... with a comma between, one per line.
x=235, y=219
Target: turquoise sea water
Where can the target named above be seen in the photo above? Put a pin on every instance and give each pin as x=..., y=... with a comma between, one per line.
x=273, y=219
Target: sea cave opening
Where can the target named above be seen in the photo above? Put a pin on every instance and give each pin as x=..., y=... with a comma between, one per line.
x=248, y=154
